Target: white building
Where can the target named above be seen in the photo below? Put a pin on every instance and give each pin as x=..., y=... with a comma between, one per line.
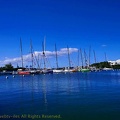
x=117, y=62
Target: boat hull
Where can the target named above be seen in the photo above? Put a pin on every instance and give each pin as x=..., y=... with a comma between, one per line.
x=57, y=71
x=85, y=70
x=47, y=71
x=24, y=73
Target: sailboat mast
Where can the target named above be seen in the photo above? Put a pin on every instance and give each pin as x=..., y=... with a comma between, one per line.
x=69, y=56
x=81, y=57
x=89, y=55
x=56, y=56
x=21, y=51
x=43, y=45
x=85, y=59
x=94, y=56
x=78, y=57
x=105, y=57
x=31, y=52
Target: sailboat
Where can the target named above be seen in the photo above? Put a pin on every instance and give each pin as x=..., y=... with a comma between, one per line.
x=107, y=68
x=21, y=71
x=95, y=61
x=45, y=70
x=57, y=70
x=80, y=52
x=84, y=69
x=33, y=56
x=69, y=69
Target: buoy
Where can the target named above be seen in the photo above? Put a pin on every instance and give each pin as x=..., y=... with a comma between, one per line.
x=6, y=77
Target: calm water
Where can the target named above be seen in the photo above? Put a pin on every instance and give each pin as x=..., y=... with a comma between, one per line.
x=71, y=96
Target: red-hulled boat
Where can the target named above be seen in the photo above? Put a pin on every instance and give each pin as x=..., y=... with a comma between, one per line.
x=23, y=72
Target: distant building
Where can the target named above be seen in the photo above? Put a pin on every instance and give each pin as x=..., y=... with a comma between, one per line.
x=117, y=62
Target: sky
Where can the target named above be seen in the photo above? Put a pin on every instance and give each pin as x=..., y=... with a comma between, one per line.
x=79, y=24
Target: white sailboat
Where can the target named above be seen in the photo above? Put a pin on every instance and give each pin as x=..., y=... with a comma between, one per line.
x=69, y=69
x=107, y=68
x=45, y=70
x=57, y=70
x=33, y=58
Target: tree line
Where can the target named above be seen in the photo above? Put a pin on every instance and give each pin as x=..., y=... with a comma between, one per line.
x=105, y=65
x=9, y=67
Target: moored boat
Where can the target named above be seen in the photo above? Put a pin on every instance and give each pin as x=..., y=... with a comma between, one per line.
x=71, y=69
x=107, y=69
x=85, y=70
x=57, y=70
x=47, y=71
x=23, y=72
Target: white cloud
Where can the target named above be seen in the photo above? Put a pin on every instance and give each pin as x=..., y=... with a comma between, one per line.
x=104, y=45
x=27, y=58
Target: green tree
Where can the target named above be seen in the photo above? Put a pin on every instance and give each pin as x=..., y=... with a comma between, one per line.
x=102, y=65
x=8, y=67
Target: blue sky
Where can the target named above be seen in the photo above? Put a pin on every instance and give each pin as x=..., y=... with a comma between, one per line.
x=76, y=23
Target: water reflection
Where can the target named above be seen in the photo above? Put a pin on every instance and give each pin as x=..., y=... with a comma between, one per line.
x=44, y=90
x=70, y=94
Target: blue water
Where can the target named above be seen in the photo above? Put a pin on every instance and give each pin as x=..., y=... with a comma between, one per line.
x=71, y=96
